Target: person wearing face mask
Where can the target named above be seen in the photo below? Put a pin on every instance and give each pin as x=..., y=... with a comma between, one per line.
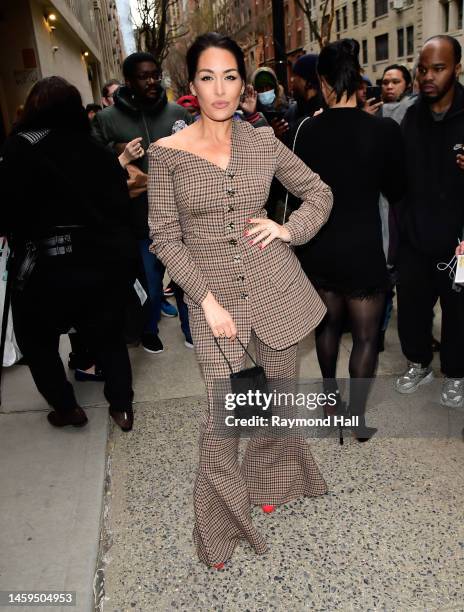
x=271, y=102
x=273, y=105
x=141, y=109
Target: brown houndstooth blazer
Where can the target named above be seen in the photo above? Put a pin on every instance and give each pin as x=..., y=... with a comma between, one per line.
x=197, y=216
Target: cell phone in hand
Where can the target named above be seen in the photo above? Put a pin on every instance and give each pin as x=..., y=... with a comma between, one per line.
x=374, y=92
x=273, y=114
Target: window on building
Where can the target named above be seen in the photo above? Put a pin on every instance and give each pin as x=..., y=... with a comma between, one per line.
x=345, y=17
x=446, y=15
x=337, y=20
x=400, y=38
x=381, y=47
x=381, y=7
x=363, y=11
x=410, y=40
x=299, y=38
x=364, y=51
x=451, y=15
x=355, y=12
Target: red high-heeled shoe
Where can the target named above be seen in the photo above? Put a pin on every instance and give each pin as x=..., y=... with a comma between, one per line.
x=219, y=566
x=268, y=508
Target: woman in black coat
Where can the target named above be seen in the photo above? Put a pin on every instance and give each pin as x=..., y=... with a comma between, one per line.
x=66, y=210
x=359, y=156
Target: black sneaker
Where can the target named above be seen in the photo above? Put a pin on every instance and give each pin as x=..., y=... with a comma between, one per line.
x=152, y=343
x=168, y=291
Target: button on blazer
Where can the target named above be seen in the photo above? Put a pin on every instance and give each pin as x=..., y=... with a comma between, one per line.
x=198, y=213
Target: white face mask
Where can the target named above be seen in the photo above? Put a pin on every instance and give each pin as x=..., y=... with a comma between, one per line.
x=267, y=97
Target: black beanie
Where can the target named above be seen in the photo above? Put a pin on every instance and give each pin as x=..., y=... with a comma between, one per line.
x=305, y=67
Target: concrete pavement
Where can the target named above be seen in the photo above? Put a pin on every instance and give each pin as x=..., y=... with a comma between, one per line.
x=406, y=496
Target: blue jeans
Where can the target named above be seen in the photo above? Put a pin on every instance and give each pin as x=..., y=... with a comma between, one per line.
x=154, y=272
x=183, y=311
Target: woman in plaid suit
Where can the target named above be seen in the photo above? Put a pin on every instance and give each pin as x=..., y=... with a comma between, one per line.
x=207, y=188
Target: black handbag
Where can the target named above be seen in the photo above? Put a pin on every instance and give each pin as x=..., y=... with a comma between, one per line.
x=251, y=382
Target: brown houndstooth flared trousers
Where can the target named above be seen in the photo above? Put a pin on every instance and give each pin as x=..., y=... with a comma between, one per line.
x=275, y=470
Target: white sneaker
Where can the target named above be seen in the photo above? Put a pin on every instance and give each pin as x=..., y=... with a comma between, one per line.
x=414, y=376
x=452, y=393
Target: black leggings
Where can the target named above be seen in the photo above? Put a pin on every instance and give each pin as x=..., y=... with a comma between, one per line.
x=364, y=318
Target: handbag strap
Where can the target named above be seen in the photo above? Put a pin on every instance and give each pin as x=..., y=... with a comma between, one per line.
x=224, y=355
x=293, y=151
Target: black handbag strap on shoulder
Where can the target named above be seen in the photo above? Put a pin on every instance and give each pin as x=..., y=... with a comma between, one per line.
x=224, y=355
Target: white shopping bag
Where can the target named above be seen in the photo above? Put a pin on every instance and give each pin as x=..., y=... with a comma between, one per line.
x=459, y=278
x=11, y=352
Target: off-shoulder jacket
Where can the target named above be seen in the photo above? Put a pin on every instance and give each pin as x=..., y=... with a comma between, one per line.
x=198, y=213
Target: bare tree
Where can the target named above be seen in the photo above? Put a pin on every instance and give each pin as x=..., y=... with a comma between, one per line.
x=177, y=69
x=322, y=28
x=154, y=31
x=205, y=17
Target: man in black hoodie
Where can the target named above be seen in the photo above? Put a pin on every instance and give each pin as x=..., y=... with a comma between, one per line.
x=432, y=221
x=141, y=109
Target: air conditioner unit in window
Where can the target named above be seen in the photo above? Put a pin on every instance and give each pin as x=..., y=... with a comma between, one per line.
x=398, y=5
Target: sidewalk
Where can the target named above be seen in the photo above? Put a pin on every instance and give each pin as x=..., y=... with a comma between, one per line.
x=394, y=510
x=52, y=480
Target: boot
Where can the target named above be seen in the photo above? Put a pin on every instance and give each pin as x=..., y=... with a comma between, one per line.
x=74, y=416
x=362, y=432
x=123, y=418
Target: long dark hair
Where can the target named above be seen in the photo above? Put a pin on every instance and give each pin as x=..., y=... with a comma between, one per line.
x=53, y=103
x=339, y=64
x=213, y=39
